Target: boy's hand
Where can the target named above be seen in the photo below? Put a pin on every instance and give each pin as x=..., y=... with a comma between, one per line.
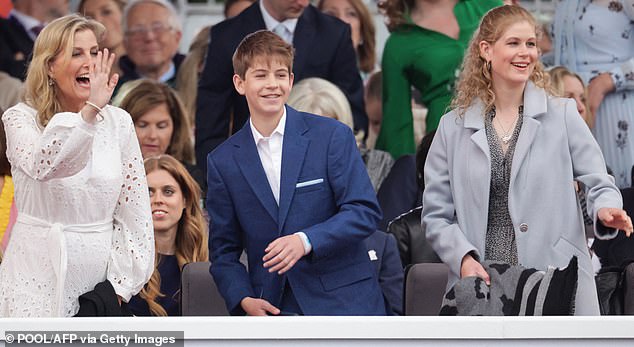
x=258, y=307
x=283, y=253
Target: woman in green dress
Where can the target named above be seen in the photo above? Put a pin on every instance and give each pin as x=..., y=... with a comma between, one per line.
x=424, y=50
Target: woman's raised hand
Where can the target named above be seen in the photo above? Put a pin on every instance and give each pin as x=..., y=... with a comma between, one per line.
x=101, y=83
x=616, y=218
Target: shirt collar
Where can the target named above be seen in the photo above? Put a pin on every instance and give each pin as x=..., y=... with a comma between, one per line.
x=271, y=22
x=168, y=74
x=27, y=21
x=257, y=137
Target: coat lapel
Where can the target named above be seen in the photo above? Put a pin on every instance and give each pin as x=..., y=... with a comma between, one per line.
x=535, y=105
x=474, y=119
x=293, y=154
x=247, y=157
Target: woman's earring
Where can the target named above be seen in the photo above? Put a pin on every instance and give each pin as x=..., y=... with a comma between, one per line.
x=489, y=65
x=50, y=81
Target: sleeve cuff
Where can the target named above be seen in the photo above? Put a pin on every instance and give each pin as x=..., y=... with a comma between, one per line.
x=307, y=246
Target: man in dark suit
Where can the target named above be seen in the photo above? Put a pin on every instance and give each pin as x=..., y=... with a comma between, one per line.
x=291, y=189
x=323, y=48
x=18, y=32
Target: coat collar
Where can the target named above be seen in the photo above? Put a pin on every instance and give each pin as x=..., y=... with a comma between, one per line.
x=535, y=105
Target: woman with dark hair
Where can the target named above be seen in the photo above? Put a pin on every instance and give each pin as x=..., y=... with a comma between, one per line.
x=179, y=230
x=424, y=50
x=161, y=123
x=357, y=15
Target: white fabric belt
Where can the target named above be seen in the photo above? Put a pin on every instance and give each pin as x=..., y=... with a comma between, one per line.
x=56, y=244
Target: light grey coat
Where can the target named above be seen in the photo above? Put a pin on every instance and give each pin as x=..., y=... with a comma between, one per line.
x=554, y=148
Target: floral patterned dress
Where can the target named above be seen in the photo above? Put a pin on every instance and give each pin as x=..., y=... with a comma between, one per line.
x=83, y=212
x=597, y=36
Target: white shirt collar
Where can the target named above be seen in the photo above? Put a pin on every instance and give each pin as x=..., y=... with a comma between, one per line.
x=279, y=129
x=27, y=21
x=271, y=22
x=171, y=72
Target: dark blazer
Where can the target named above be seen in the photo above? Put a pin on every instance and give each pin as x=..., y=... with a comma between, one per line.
x=325, y=192
x=14, y=40
x=129, y=73
x=399, y=191
x=323, y=48
x=383, y=253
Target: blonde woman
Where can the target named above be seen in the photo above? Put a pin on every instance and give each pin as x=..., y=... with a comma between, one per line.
x=80, y=188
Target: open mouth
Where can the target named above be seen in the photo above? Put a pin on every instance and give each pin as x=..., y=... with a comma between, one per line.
x=83, y=80
x=159, y=213
x=520, y=65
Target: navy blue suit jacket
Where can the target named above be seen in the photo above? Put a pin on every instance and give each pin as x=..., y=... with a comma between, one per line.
x=323, y=48
x=14, y=40
x=383, y=252
x=324, y=192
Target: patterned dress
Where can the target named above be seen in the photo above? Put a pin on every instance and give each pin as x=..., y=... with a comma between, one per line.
x=83, y=212
x=597, y=36
x=500, y=242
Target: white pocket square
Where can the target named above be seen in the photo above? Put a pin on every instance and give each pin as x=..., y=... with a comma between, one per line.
x=309, y=183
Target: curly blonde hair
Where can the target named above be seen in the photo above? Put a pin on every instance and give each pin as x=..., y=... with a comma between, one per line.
x=54, y=42
x=191, y=236
x=475, y=78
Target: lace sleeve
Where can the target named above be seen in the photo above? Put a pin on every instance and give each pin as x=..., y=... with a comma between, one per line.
x=62, y=149
x=132, y=256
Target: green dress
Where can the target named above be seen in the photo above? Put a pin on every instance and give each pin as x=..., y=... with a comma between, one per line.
x=429, y=61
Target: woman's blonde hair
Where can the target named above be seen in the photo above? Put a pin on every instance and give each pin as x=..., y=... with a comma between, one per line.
x=475, y=79
x=189, y=71
x=191, y=236
x=557, y=75
x=148, y=94
x=54, y=42
x=366, y=50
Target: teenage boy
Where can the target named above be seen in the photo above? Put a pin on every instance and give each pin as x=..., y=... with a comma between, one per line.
x=291, y=190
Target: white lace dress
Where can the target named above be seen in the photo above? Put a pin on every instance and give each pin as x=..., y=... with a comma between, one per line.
x=83, y=212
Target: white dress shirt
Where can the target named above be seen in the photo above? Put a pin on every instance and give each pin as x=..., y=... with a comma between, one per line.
x=270, y=152
x=272, y=25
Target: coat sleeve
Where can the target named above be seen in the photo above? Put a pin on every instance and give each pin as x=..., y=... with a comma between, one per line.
x=132, y=256
x=590, y=169
x=225, y=242
x=397, y=130
x=61, y=149
x=358, y=210
x=214, y=99
x=439, y=219
x=391, y=276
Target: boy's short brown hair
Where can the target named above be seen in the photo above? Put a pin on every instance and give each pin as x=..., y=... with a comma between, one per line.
x=265, y=45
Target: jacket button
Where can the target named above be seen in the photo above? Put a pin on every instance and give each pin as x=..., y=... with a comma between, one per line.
x=523, y=227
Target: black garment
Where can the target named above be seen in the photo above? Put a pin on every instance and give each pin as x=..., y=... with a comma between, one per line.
x=619, y=251
x=399, y=191
x=16, y=47
x=198, y=176
x=101, y=302
x=170, y=286
x=411, y=240
x=129, y=73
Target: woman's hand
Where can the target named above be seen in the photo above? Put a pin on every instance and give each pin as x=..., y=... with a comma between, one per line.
x=101, y=84
x=471, y=267
x=616, y=218
x=597, y=90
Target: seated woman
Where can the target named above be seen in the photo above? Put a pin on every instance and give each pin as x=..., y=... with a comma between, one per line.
x=318, y=96
x=162, y=124
x=179, y=231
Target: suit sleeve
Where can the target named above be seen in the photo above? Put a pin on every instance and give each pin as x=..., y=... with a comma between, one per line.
x=589, y=168
x=358, y=210
x=439, y=213
x=213, y=102
x=391, y=276
x=345, y=74
x=225, y=243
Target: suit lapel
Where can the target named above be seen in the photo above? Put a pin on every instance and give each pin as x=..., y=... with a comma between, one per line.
x=293, y=154
x=247, y=157
x=302, y=41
